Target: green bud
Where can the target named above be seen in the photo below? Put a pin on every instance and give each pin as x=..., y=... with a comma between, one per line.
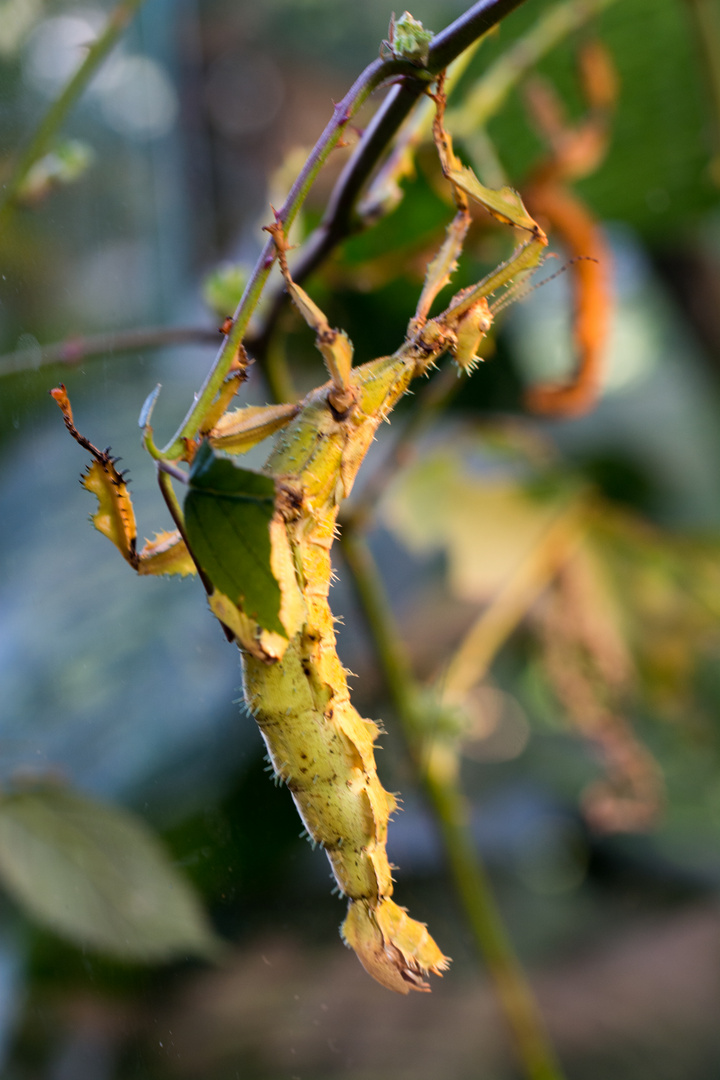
x=409, y=40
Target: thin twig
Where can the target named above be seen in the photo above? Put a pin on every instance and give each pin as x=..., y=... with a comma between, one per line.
x=372, y=77
x=177, y=474
x=485, y=101
x=55, y=117
x=74, y=350
x=476, y=21
x=513, y=989
x=337, y=222
x=412, y=81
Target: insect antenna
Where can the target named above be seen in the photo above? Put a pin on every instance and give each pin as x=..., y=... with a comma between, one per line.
x=519, y=291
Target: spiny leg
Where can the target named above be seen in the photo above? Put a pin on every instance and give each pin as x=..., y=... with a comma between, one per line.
x=441, y=268
x=468, y=317
x=334, y=345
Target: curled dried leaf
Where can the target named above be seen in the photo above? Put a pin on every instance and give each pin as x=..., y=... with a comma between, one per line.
x=393, y=948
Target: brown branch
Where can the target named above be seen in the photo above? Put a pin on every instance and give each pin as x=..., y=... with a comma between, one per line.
x=337, y=222
x=76, y=349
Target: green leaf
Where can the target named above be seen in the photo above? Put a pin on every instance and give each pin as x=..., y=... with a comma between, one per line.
x=96, y=875
x=228, y=511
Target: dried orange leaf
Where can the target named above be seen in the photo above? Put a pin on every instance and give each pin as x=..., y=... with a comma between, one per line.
x=59, y=394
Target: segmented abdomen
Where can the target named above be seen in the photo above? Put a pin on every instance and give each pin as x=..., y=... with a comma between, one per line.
x=318, y=743
x=322, y=749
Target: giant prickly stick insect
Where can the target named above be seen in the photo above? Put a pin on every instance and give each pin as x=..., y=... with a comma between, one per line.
x=261, y=544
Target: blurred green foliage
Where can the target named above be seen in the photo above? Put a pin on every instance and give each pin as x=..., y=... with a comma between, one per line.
x=129, y=242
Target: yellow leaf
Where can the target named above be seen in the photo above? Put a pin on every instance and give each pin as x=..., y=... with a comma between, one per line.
x=166, y=554
x=504, y=203
x=292, y=604
x=242, y=429
x=114, y=517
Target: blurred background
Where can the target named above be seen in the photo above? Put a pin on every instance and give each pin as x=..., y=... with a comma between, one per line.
x=590, y=752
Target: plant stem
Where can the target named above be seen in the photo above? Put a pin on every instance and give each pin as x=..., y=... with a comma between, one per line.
x=76, y=349
x=511, y=984
x=55, y=116
x=373, y=75
x=493, y=88
x=443, y=790
x=165, y=471
x=412, y=82
x=182, y=478
x=337, y=221
x=388, y=645
x=476, y=21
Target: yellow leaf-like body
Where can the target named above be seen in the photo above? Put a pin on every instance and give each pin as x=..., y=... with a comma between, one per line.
x=393, y=948
x=242, y=627
x=292, y=603
x=166, y=554
x=504, y=204
x=114, y=517
x=242, y=429
x=337, y=352
x=318, y=743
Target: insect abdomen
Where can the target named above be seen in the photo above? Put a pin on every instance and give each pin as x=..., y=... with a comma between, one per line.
x=330, y=773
